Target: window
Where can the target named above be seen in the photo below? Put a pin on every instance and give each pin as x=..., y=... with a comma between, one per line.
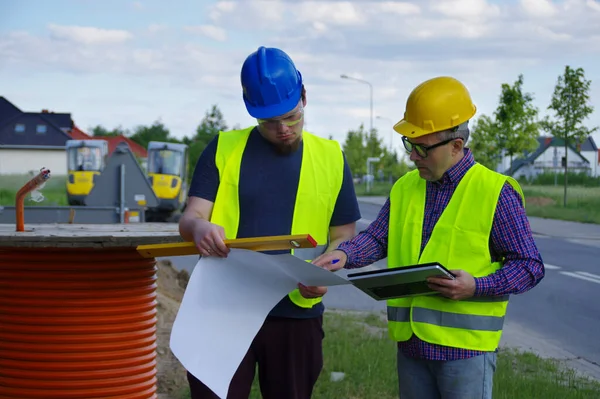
x=19, y=128
x=40, y=129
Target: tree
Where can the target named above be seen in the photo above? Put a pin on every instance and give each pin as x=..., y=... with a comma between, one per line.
x=484, y=142
x=570, y=107
x=516, y=120
x=354, y=149
x=212, y=123
x=156, y=132
x=100, y=130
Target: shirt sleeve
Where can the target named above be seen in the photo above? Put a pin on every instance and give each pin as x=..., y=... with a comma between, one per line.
x=512, y=240
x=346, y=207
x=369, y=245
x=205, y=181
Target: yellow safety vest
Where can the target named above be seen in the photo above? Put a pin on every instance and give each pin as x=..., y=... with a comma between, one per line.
x=460, y=240
x=321, y=177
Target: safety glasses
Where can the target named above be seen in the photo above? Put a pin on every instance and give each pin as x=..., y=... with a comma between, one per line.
x=289, y=121
x=420, y=149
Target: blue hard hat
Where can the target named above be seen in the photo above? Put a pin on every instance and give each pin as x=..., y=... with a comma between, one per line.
x=271, y=83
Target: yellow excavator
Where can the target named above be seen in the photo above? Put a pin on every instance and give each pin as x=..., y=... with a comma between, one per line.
x=167, y=169
x=86, y=160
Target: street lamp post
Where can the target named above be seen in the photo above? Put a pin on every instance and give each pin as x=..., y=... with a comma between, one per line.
x=370, y=91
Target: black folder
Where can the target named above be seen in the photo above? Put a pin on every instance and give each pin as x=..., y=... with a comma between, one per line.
x=399, y=282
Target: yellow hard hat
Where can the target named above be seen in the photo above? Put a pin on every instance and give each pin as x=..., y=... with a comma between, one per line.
x=435, y=105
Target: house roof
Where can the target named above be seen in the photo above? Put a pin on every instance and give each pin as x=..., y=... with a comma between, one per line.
x=61, y=119
x=545, y=142
x=114, y=141
x=55, y=127
x=7, y=110
x=588, y=145
x=78, y=134
x=29, y=135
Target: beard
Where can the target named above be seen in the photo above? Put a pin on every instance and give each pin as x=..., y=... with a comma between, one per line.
x=288, y=148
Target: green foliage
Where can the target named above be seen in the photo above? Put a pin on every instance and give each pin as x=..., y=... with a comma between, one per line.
x=156, y=132
x=212, y=123
x=100, y=130
x=484, y=142
x=516, y=120
x=569, y=105
x=575, y=179
x=513, y=128
x=354, y=148
x=360, y=145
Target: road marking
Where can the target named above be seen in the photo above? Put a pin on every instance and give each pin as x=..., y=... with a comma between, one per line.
x=365, y=221
x=583, y=276
x=551, y=267
x=590, y=275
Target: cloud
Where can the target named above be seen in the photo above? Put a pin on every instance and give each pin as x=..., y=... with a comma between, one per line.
x=539, y=8
x=392, y=44
x=210, y=31
x=137, y=5
x=88, y=34
x=157, y=28
x=466, y=9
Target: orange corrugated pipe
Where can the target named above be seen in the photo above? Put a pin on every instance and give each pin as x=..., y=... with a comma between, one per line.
x=27, y=188
x=77, y=323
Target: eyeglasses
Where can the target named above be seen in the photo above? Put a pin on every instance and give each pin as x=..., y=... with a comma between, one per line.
x=421, y=149
x=289, y=121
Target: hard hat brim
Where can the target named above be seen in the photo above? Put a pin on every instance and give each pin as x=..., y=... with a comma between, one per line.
x=275, y=110
x=409, y=130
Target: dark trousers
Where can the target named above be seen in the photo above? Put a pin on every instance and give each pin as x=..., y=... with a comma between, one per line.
x=289, y=357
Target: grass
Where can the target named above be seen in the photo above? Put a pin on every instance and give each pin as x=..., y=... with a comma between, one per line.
x=583, y=203
x=377, y=189
x=358, y=346
x=54, y=191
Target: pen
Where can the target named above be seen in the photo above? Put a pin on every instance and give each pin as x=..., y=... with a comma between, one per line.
x=333, y=262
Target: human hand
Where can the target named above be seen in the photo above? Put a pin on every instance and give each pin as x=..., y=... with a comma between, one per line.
x=209, y=239
x=311, y=292
x=332, y=261
x=462, y=287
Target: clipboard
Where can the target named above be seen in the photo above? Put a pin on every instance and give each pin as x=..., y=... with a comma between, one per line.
x=399, y=282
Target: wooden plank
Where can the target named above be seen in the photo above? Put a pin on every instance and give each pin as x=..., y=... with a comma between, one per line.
x=72, y=236
x=267, y=243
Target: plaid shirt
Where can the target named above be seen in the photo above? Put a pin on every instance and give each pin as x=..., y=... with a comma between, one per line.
x=511, y=238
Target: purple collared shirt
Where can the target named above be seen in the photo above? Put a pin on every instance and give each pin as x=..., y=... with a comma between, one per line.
x=510, y=239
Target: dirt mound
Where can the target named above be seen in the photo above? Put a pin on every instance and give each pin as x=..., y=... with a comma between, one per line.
x=171, y=284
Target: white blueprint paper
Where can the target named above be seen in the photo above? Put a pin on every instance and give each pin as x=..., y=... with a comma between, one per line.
x=225, y=304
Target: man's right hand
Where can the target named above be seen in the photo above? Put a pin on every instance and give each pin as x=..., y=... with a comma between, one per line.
x=208, y=238
x=326, y=260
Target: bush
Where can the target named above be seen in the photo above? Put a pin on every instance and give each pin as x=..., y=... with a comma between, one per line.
x=573, y=179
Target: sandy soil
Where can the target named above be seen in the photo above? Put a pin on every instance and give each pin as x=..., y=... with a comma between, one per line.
x=171, y=286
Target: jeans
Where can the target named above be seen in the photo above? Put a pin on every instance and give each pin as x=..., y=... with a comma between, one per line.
x=470, y=378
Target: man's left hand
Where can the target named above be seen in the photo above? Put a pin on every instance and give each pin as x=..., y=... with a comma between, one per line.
x=462, y=287
x=312, y=292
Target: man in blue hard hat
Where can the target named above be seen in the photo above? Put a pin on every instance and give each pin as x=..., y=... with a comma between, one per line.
x=273, y=178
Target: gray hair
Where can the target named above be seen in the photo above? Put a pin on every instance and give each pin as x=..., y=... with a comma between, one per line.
x=459, y=132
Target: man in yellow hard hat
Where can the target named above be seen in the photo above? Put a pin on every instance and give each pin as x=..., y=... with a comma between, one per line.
x=470, y=219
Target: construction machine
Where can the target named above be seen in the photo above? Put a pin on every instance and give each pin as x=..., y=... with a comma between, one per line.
x=86, y=159
x=167, y=170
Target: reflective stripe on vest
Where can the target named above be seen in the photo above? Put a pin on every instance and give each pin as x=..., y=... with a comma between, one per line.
x=459, y=240
x=321, y=177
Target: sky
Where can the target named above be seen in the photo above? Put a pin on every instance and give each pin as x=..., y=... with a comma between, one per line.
x=129, y=63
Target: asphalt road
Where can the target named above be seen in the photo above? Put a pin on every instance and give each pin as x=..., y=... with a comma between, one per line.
x=564, y=308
